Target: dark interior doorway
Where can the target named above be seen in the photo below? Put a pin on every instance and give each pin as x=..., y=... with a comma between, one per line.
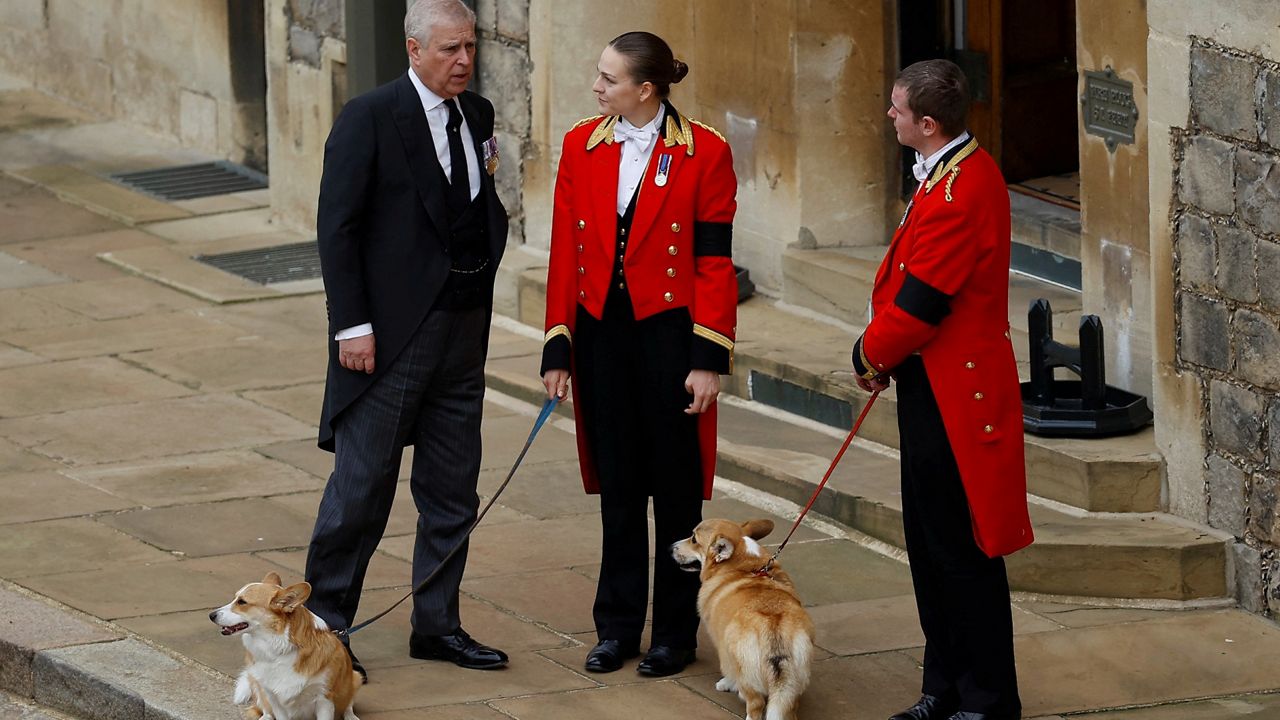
x=247, y=45
x=1020, y=58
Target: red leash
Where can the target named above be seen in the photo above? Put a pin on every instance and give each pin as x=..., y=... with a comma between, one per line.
x=764, y=571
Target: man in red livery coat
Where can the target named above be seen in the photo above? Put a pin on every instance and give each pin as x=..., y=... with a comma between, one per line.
x=940, y=329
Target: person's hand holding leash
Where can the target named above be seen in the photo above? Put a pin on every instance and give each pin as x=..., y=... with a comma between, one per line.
x=557, y=383
x=875, y=384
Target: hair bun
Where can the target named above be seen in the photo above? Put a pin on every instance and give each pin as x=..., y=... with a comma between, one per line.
x=681, y=70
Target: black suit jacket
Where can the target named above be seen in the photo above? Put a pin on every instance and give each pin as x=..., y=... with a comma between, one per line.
x=382, y=225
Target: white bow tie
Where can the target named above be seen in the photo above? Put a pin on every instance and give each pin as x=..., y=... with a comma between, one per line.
x=641, y=136
x=919, y=170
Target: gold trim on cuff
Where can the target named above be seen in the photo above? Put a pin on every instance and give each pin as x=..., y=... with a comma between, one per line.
x=866, y=362
x=705, y=332
x=557, y=331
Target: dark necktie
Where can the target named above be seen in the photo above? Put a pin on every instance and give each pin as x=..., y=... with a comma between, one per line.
x=459, y=182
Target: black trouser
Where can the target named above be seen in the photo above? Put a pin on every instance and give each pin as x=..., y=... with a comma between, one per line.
x=630, y=383
x=961, y=594
x=432, y=395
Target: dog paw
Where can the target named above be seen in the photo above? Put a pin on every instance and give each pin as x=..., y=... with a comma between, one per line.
x=724, y=684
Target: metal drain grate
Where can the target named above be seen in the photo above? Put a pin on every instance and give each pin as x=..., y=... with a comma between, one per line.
x=187, y=182
x=280, y=263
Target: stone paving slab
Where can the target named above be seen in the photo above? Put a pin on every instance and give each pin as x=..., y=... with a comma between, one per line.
x=198, y=478
x=99, y=195
x=34, y=214
x=831, y=571
x=300, y=402
x=18, y=273
x=384, y=571
x=222, y=528
x=243, y=365
x=299, y=318
x=54, y=387
x=560, y=599
x=32, y=625
x=152, y=429
x=20, y=310
x=217, y=226
x=127, y=679
x=437, y=683
x=175, y=268
x=113, y=337
x=27, y=108
x=70, y=545
x=518, y=547
x=11, y=356
x=12, y=708
x=1253, y=707
x=14, y=458
x=76, y=257
x=130, y=590
x=116, y=298
x=474, y=711
x=27, y=498
x=230, y=202
x=663, y=700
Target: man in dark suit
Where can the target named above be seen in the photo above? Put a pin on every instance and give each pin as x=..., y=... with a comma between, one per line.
x=410, y=232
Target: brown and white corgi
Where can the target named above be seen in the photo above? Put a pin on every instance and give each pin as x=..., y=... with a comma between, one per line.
x=295, y=668
x=760, y=629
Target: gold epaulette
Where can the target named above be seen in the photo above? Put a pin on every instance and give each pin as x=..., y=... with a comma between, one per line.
x=603, y=132
x=951, y=169
x=708, y=128
x=584, y=121
x=678, y=132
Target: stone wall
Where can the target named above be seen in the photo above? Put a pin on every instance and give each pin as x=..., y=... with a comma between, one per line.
x=161, y=64
x=1226, y=262
x=504, y=77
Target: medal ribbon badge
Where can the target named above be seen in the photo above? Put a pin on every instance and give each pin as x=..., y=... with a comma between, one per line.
x=490, y=148
x=664, y=168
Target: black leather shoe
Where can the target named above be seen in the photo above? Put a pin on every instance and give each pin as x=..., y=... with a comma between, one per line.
x=663, y=660
x=458, y=648
x=927, y=707
x=608, y=656
x=355, y=665
x=966, y=715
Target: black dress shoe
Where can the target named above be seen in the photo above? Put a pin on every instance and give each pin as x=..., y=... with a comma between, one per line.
x=608, y=655
x=663, y=660
x=458, y=648
x=927, y=707
x=966, y=715
x=355, y=665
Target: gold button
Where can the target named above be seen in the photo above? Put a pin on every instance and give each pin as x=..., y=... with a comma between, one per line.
x=671, y=272
x=988, y=429
x=582, y=224
x=671, y=250
x=902, y=266
x=582, y=271
x=619, y=272
x=668, y=297
x=675, y=227
x=977, y=396
x=622, y=244
x=621, y=285
x=624, y=231
x=580, y=248
x=970, y=365
x=582, y=294
x=1006, y=334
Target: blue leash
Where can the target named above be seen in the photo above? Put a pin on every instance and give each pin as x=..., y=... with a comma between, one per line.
x=547, y=408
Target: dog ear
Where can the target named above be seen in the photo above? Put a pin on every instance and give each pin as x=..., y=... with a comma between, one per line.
x=291, y=597
x=721, y=549
x=272, y=579
x=756, y=529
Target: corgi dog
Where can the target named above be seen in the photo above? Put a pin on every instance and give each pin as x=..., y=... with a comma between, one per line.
x=760, y=629
x=295, y=668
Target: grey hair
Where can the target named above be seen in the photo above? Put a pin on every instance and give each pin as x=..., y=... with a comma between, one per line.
x=424, y=15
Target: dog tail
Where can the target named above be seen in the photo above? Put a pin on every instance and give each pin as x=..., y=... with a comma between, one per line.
x=789, y=666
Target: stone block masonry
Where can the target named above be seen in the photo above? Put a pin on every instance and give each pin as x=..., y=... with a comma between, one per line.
x=1227, y=271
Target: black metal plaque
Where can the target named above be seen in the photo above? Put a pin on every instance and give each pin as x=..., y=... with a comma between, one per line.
x=1109, y=109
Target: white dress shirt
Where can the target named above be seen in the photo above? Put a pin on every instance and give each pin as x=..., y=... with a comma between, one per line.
x=437, y=118
x=637, y=148
x=924, y=165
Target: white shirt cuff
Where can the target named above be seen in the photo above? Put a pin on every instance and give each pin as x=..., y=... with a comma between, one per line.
x=354, y=332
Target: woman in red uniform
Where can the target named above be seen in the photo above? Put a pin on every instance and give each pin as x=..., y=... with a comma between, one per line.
x=641, y=308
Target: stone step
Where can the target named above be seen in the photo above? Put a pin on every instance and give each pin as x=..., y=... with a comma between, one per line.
x=802, y=365
x=837, y=282
x=1148, y=556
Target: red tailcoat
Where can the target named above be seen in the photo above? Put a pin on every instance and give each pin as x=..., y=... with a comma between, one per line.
x=677, y=255
x=943, y=292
